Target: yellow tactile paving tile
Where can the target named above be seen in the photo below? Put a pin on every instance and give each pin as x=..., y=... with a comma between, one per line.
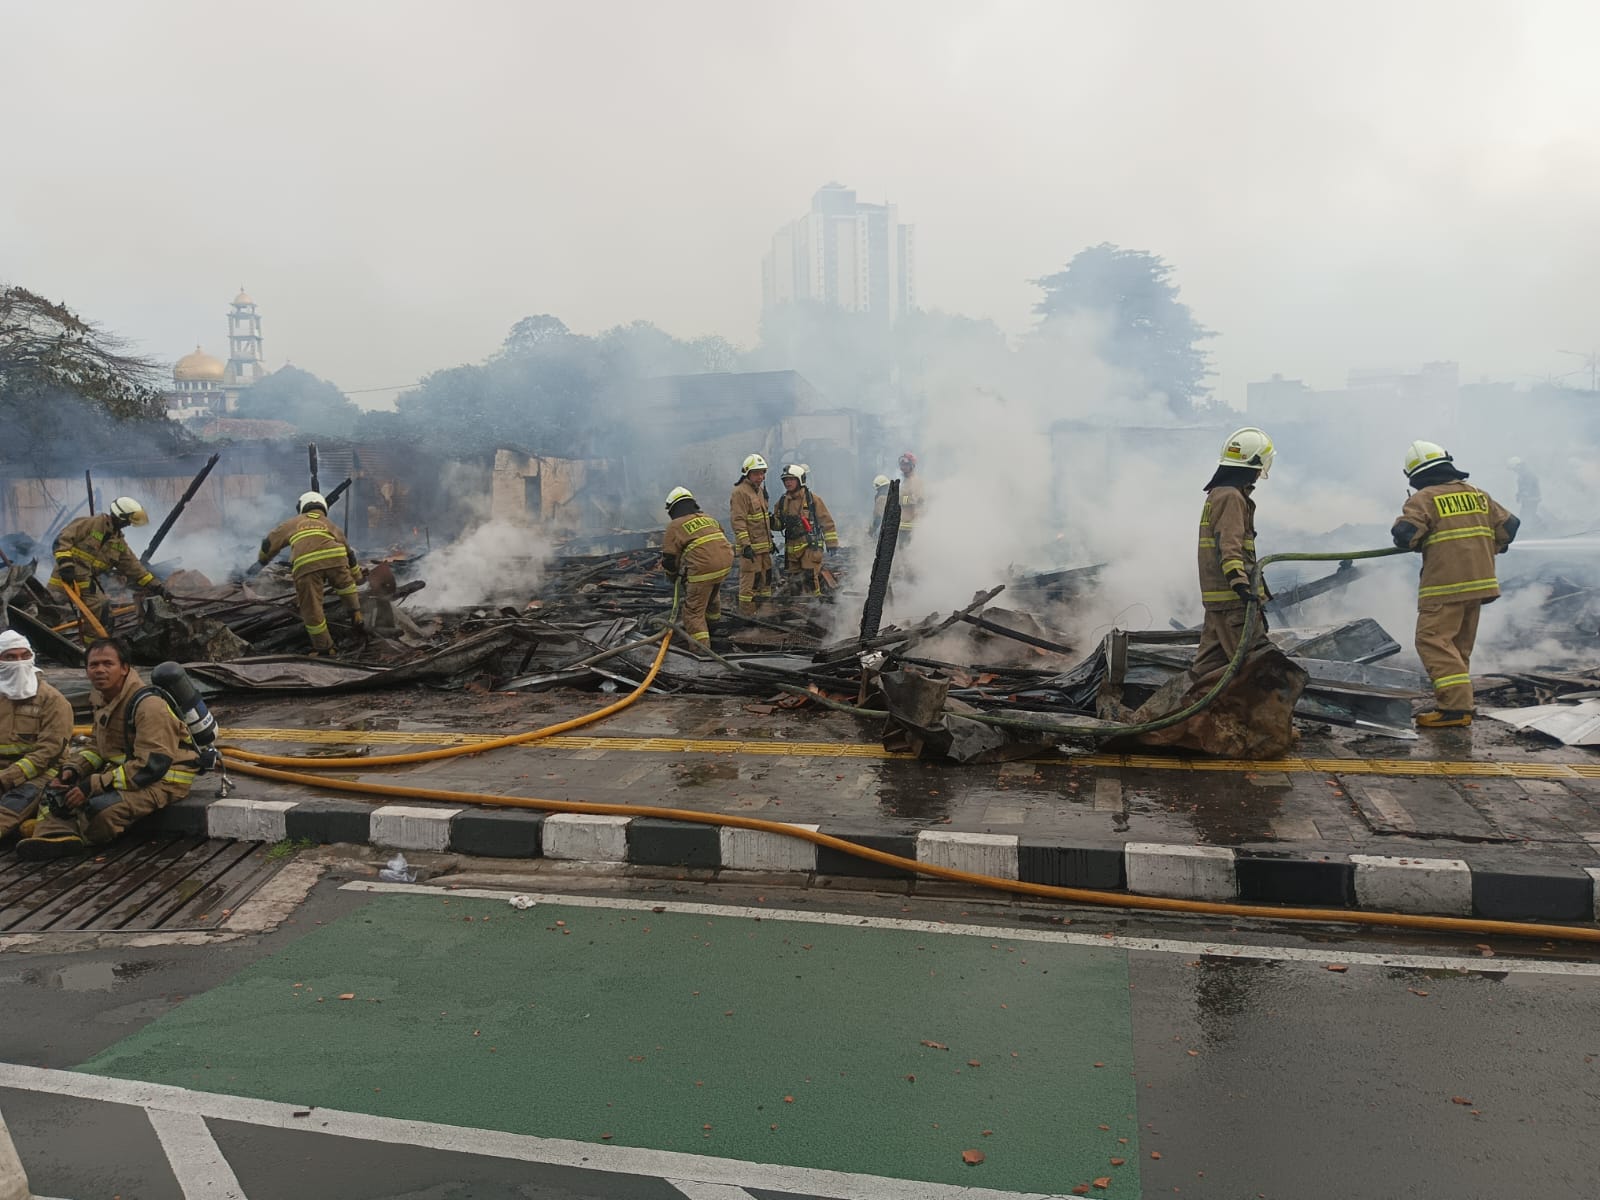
x=868, y=750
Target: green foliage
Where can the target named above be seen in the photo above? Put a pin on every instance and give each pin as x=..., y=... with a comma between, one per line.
x=1148, y=332
x=308, y=403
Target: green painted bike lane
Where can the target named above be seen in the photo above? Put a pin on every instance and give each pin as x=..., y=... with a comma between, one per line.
x=884, y=1051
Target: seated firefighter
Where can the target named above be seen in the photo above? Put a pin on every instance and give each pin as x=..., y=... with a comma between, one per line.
x=696, y=550
x=143, y=758
x=35, y=726
x=91, y=546
x=319, y=557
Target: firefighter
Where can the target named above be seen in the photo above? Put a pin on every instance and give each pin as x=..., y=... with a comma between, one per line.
x=1528, y=496
x=319, y=557
x=1458, y=529
x=910, y=496
x=143, y=758
x=93, y=545
x=1227, y=553
x=809, y=532
x=696, y=548
x=880, y=501
x=35, y=726
x=752, y=533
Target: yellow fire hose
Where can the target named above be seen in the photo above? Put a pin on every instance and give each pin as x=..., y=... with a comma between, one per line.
x=71, y=592
x=248, y=763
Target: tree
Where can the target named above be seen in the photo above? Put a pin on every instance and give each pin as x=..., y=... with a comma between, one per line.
x=1149, y=333
x=535, y=333
x=310, y=404
x=69, y=387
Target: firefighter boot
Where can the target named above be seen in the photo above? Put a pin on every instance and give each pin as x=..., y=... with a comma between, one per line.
x=1444, y=718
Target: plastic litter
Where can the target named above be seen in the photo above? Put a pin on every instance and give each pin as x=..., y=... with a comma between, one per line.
x=522, y=902
x=398, y=871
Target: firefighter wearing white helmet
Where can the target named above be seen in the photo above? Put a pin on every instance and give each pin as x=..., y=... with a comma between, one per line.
x=94, y=545
x=695, y=551
x=319, y=557
x=750, y=519
x=1458, y=529
x=1528, y=493
x=1227, y=550
x=880, y=501
x=809, y=532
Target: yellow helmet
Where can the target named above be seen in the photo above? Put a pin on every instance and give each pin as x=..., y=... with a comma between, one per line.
x=676, y=494
x=1248, y=447
x=753, y=462
x=1422, y=455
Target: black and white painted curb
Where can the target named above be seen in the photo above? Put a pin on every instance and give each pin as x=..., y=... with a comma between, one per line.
x=1503, y=890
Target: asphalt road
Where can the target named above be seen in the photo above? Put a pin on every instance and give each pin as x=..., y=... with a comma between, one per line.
x=775, y=1044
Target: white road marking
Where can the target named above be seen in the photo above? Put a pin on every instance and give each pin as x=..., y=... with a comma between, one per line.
x=1065, y=937
x=194, y=1156
x=490, y=1143
x=696, y=1190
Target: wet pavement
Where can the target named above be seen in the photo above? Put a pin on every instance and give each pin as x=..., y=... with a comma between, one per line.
x=1498, y=791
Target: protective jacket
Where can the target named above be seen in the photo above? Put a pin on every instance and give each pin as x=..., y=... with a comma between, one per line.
x=153, y=750
x=93, y=545
x=315, y=543
x=1459, y=529
x=748, y=509
x=910, y=502
x=695, y=545
x=33, y=736
x=1227, y=552
x=804, y=521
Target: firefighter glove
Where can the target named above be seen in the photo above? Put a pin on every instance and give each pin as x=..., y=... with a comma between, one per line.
x=67, y=573
x=748, y=553
x=254, y=569
x=1242, y=590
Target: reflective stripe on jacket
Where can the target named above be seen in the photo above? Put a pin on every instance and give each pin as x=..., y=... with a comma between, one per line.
x=161, y=752
x=799, y=506
x=314, y=542
x=750, y=518
x=94, y=545
x=1227, y=551
x=33, y=735
x=695, y=545
x=1459, y=529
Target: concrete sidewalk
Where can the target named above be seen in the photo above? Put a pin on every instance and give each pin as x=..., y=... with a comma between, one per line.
x=1483, y=821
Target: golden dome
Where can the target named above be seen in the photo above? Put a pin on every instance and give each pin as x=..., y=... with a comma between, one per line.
x=198, y=367
x=243, y=297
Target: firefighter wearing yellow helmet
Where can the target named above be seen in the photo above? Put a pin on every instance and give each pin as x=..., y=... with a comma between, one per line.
x=750, y=520
x=94, y=545
x=319, y=557
x=1458, y=529
x=1227, y=552
x=695, y=550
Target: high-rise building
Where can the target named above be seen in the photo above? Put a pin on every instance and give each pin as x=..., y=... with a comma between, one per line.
x=852, y=255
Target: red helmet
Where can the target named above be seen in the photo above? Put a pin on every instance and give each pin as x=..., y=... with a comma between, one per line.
x=908, y=459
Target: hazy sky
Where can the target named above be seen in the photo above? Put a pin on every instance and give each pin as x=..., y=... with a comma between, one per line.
x=396, y=182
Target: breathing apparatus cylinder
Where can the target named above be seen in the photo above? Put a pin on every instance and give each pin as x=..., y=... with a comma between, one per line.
x=171, y=678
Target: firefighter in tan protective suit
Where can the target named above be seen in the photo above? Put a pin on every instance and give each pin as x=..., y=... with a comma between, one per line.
x=1227, y=552
x=696, y=548
x=809, y=532
x=910, y=497
x=35, y=727
x=752, y=535
x=93, y=546
x=143, y=758
x=1458, y=529
x=319, y=557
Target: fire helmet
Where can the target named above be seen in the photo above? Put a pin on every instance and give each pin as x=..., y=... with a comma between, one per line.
x=881, y=481
x=1422, y=455
x=794, y=471
x=310, y=500
x=1248, y=447
x=908, y=461
x=676, y=494
x=128, y=511
x=753, y=463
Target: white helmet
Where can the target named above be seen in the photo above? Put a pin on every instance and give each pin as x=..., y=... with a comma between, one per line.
x=310, y=500
x=882, y=481
x=794, y=471
x=805, y=472
x=676, y=494
x=1513, y=463
x=1422, y=455
x=753, y=463
x=1248, y=447
x=129, y=511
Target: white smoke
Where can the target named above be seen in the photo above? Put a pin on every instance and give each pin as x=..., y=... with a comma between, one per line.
x=497, y=562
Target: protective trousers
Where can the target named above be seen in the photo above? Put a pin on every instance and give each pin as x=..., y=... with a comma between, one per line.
x=107, y=815
x=755, y=582
x=19, y=805
x=95, y=600
x=804, y=565
x=1446, y=631
x=308, y=587
x=702, y=604
x=1219, y=640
